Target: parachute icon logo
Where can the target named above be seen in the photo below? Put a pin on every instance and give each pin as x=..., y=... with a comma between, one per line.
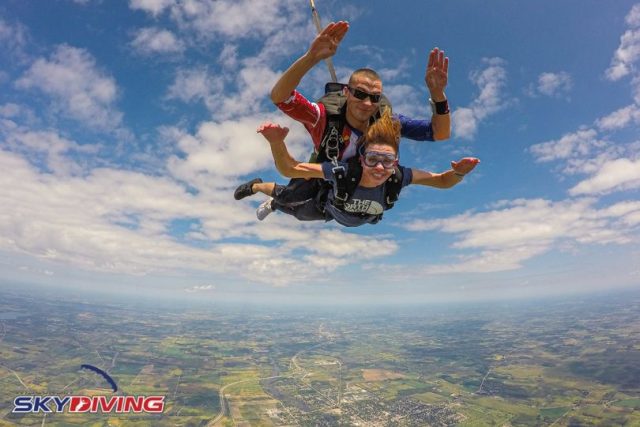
x=103, y=374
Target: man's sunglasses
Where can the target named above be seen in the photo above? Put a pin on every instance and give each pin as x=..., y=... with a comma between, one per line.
x=362, y=95
x=372, y=158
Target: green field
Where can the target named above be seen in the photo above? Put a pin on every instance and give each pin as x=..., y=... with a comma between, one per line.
x=531, y=365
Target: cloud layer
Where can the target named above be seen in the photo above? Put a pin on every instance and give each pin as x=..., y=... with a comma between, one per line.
x=521, y=229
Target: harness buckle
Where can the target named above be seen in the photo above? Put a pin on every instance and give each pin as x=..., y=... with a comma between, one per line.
x=332, y=147
x=336, y=196
x=338, y=168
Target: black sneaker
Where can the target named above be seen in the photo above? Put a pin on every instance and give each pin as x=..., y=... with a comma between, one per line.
x=245, y=190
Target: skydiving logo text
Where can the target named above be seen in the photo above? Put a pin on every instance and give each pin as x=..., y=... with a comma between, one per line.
x=77, y=404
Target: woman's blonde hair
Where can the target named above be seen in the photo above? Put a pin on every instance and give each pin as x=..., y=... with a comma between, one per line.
x=385, y=131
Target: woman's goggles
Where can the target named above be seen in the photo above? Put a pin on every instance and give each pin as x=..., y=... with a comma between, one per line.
x=372, y=158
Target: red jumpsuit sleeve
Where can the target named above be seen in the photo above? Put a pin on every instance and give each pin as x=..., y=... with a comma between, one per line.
x=312, y=115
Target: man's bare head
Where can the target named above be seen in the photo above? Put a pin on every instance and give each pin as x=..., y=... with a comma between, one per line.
x=361, y=105
x=364, y=72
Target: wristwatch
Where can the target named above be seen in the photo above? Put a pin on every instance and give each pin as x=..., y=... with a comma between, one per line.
x=440, y=108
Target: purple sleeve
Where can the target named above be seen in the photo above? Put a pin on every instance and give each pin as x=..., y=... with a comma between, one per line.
x=418, y=130
x=327, y=170
x=407, y=176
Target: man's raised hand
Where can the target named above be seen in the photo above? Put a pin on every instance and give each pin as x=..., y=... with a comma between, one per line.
x=437, y=74
x=326, y=43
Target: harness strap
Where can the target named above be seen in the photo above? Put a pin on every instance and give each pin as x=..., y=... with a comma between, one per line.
x=332, y=143
x=341, y=193
x=392, y=188
x=346, y=181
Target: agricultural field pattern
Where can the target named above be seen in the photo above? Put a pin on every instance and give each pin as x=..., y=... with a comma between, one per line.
x=552, y=362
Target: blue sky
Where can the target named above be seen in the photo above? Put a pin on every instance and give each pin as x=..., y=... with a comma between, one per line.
x=125, y=126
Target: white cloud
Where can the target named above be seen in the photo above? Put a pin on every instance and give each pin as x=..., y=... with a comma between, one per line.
x=216, y=146
x=620, y=118
x=622, y=209
x=465, y=123
x=389, y=74
x=278, y=44
x=593, y=163
x=635, y=84
x=197, y=84
x=154, y=7
x=10, y=110
x=625, y=56
x=200, y=288
x=78, y=88
x=245, y=85
x=578, y=144
x=14, y=34
x=46, y=144
x=406, y=100
x=490, y=81
x=489, y=261
x=10, y=113
x=74, y=220
x=253, y=83
x=14, y=38
x=228, y=57
x=503, y=239
x=149, y=41
x=610, y=166
x=633, y=17
x=236, y=94
x=372, y=53
x=223, y=151
x=554, y=84
x=615, y=175
x=628, y=53
x=233, y=19
x=277, y=24
x=633, y=219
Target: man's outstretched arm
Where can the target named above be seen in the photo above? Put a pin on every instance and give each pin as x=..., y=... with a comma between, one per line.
x=285, y=163
x=436, y=78
x=323, y=46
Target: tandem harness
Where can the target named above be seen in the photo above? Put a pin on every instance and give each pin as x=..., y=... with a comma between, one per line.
x=332, y=144
x=347, y=180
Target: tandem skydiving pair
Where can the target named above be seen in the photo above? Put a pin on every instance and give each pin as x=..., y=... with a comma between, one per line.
x=354, y=173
